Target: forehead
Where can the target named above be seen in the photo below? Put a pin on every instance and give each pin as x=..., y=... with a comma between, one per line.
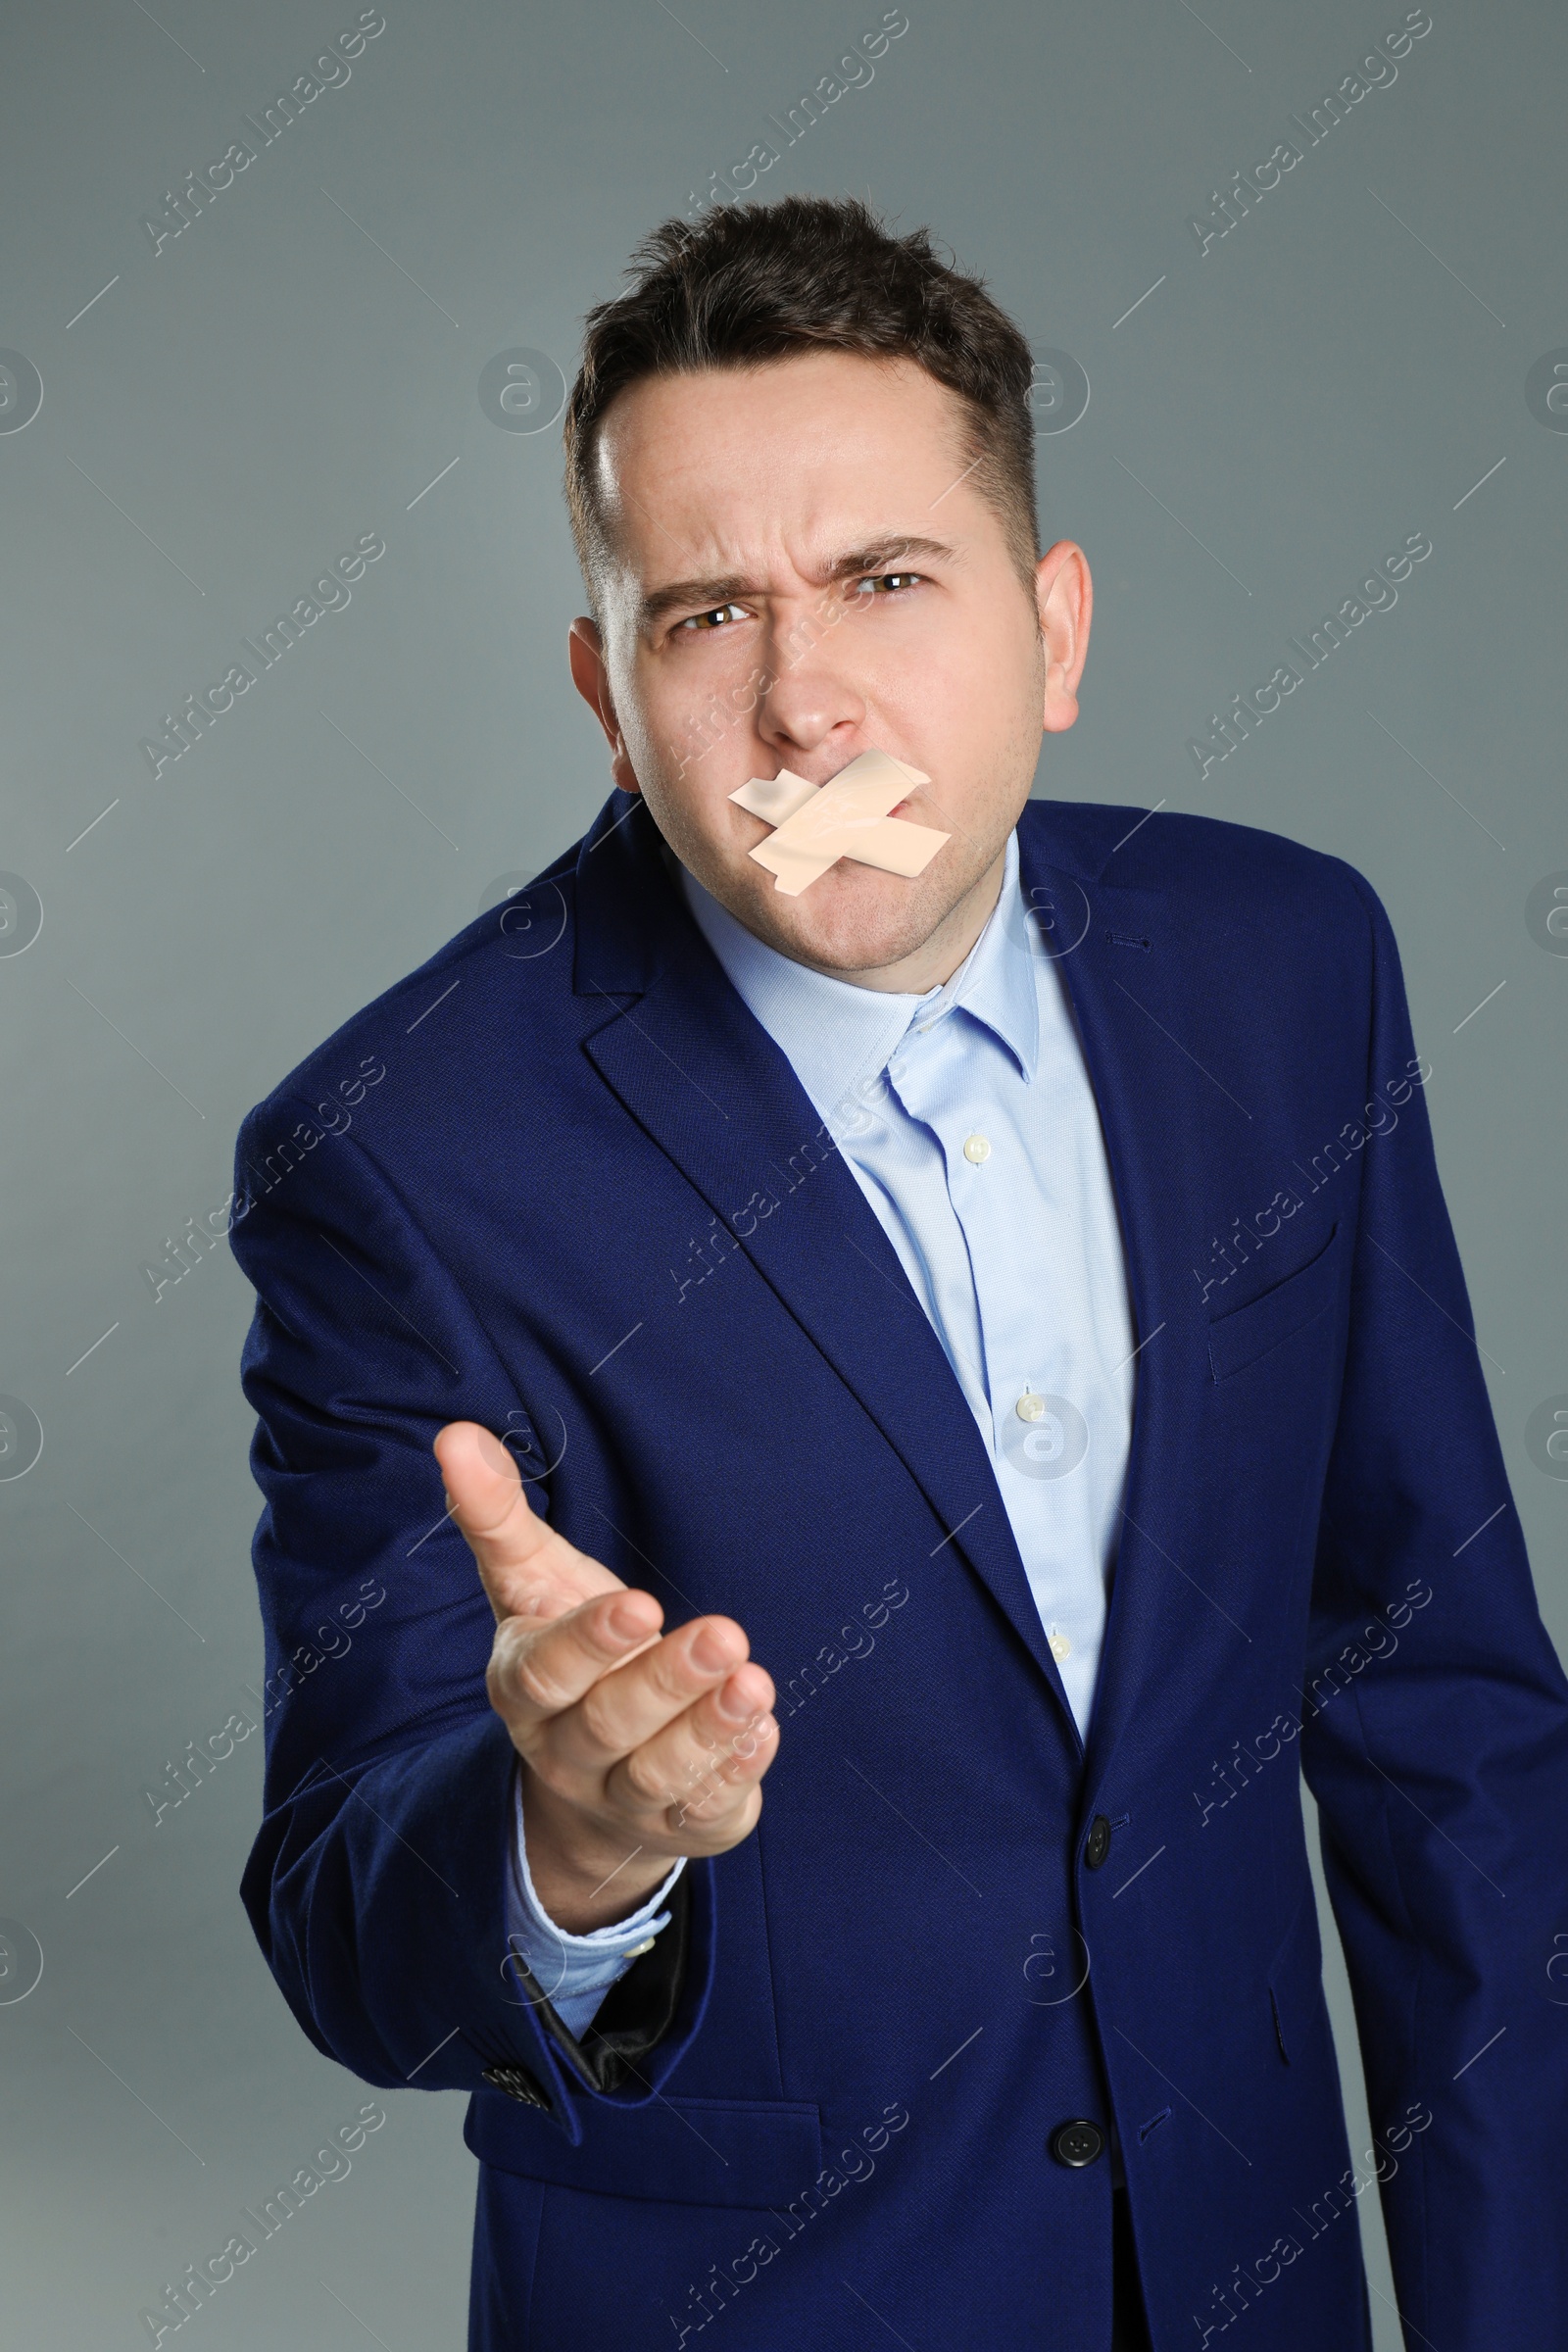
x=732, y=458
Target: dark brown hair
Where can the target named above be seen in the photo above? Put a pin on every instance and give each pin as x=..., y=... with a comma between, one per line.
x=752, y=282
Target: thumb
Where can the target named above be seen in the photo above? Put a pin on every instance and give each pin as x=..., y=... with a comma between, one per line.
x=528, y=1569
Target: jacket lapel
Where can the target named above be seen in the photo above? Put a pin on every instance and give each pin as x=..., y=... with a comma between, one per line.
x=705, y=1080
x=1136, y=988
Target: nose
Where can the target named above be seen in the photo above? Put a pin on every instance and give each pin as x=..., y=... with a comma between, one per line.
x=812, y=695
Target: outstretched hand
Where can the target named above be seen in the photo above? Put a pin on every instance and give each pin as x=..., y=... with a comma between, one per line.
x=637, y=1746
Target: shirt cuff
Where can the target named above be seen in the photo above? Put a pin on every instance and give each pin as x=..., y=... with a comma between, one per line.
x=575, y=1972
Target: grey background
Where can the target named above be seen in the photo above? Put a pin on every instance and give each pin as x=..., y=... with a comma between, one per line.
x=286, y=376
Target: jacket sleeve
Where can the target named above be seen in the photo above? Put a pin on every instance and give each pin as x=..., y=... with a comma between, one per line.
x=377, y=1884
x=1434, y=1740
x=576, y=1971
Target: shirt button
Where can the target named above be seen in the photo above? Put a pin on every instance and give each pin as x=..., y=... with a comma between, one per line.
x=976, y=1147
x=1030, y=1407
x=1061, y=1648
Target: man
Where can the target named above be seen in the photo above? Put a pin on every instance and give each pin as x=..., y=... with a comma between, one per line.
x=961, y=1342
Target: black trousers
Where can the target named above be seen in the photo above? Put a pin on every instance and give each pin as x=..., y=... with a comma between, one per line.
x=1129, y=2330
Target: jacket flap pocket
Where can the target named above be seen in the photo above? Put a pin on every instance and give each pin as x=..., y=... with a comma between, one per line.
x=678, y=2151
x=1248, y=1332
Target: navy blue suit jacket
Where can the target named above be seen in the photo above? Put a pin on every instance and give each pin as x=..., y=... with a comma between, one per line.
x=560, y=1182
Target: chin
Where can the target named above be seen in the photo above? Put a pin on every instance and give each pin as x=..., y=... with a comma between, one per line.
x=854, y=925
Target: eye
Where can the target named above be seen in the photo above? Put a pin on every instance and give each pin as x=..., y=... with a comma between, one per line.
x=696, y=624
x=902, y=581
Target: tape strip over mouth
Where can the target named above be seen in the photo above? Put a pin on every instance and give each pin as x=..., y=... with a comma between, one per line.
x=848, y=816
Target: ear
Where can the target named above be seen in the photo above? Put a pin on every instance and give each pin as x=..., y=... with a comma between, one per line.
x=1064, y=597
x=589, y=674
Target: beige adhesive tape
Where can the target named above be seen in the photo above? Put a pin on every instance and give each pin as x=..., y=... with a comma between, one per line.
x=897, y=846
x=776, y=799
x=815, y=825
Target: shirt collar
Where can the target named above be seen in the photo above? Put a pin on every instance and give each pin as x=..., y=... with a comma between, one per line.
x=837, y=1035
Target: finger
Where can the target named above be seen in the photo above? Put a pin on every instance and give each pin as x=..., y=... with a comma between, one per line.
x=539, y=1673
x=701, y=1774
x=630, y=1706
x=525, y=1566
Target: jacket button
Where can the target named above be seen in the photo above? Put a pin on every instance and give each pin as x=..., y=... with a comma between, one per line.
x=1077, y=2143
x=1097, y=1844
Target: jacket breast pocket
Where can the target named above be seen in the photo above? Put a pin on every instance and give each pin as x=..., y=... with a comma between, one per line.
x=1239, y=1337
x=677, y=2151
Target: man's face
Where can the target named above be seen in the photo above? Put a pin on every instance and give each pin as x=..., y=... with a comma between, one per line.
x=801, y=574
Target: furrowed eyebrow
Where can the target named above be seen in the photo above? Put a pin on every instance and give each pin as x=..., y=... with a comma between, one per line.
x=887, y=556
x=688, y=596
x=704, y=594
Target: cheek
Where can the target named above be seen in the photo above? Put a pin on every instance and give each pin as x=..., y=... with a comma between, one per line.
x=691, y=731
x=983, y=688
x=979, y=739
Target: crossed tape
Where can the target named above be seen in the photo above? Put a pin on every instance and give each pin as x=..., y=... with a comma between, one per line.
x=817, y=825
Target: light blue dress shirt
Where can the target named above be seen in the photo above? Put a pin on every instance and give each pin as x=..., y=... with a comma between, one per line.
x=966, y=1117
